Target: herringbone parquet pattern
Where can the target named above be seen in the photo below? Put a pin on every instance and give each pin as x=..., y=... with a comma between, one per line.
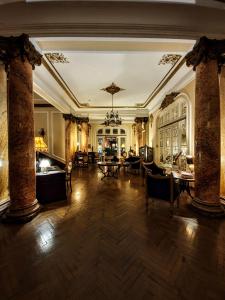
x=101, y=244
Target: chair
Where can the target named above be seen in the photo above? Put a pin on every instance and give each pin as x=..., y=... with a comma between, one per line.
x=162, y=187
x=69, y=175
x=134, y=164
x=152, y=166
x=85, y=161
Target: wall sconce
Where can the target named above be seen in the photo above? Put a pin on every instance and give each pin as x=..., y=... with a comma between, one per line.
x=151, y=119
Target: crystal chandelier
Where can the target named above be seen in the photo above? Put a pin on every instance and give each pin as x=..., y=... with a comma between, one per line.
x=112, y=118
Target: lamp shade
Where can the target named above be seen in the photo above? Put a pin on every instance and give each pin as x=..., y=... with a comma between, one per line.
x=40, y=144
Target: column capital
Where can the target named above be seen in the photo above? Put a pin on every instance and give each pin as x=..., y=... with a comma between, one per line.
x=141, y=120
x=18, y=46
x=81, y=120
x=69, y=117
x=206, y=49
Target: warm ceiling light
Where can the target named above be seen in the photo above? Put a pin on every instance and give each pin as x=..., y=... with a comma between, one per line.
x=112, y=118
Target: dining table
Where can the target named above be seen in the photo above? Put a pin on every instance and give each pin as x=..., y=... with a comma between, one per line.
x=185, y=179
x=109, y=168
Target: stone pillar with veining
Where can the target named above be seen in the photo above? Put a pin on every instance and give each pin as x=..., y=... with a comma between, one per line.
x=84, y=127
x=70, y=138
x=20, y=57
x=222, y=126
x=207, y=128
x=4, y=193
x=140, y=132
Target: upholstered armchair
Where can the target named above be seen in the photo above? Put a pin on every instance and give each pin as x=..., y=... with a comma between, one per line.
x=134, y=164
x=153, y=168
x=162, y=187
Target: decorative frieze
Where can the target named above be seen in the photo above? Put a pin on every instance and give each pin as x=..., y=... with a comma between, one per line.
x=169, y=99
x=169, y=59
x=56, y=58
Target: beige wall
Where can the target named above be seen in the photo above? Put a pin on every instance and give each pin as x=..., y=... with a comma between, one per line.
x=52, y=121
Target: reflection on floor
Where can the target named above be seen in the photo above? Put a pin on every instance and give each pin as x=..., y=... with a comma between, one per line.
x=101, y=244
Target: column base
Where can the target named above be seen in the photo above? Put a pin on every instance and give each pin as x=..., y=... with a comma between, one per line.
x=21, y=214
x=222, y=200
x=208, y=209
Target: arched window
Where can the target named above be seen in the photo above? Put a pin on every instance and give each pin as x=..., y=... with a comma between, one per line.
x=172, y=129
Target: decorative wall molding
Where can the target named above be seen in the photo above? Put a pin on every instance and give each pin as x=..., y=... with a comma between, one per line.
x=56, y=58
x=169, y=59
x=52, y=140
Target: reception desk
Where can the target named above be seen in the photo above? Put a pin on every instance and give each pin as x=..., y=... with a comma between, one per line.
x=51, y=187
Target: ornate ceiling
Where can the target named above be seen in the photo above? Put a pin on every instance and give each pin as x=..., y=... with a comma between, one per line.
x=74, y=71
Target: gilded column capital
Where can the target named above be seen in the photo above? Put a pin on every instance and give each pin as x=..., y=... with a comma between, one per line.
x=141, y=120
x=18, y=46
x=206, y=49
x=81, y=120
x=69, y=117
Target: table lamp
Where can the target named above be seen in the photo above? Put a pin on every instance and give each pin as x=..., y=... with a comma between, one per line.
x=44, y=164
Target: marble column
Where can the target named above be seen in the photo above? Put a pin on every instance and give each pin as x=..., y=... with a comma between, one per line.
x=4, y=193
x=140, y=132
x=222, y=126
x=70, y=146
x=205, y=58
x=84, y=134
x=207, y=139
x=19, y=58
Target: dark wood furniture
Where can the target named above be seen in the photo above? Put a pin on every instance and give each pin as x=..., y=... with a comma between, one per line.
x=184, y=183
x=52, y=160
x=69, y=169
x=109, y=169
x=51, y=187
x=133, y=164
x=162, y=187
x=146, y=153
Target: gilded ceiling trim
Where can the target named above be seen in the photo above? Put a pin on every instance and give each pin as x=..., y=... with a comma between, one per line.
x=164, y=81
x=52, y=70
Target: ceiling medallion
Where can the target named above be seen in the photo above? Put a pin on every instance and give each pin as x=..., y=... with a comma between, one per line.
x=169, y=59
x=112, y=118
x=56, y=58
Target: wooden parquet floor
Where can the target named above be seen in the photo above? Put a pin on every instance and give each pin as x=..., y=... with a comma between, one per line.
x=101, y=244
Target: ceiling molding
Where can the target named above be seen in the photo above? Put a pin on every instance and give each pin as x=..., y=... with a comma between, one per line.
x=47, y=63
x=102, y=30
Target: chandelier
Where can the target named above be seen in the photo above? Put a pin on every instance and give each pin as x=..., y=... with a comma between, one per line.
x=112, y=118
